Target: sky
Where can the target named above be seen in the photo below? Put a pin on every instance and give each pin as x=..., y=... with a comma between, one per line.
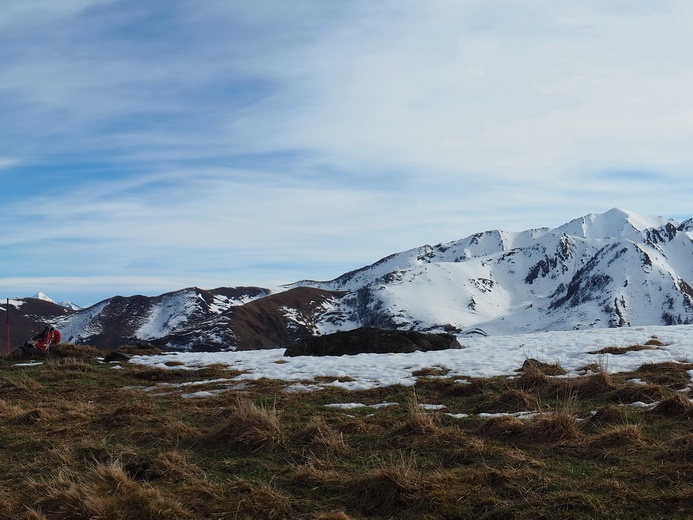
x=146, y=147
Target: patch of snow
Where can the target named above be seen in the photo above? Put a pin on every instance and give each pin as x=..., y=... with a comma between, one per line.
x=16, y=303
x=519, y=415
x=168, y=316
x=431, y=406
x=458, y=415
x=204, y=393
x=637, y=381
x=351, y=406
x=640, y=404
x=481, y=357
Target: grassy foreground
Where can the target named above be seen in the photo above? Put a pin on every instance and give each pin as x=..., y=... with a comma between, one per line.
x=80, y=439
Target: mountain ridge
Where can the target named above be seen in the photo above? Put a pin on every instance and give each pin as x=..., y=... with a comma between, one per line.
x=611, y=269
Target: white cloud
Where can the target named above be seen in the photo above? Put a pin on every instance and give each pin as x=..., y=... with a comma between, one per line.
x=537, y=89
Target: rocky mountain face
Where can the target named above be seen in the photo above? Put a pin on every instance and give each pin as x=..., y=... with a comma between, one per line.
x=613, y=269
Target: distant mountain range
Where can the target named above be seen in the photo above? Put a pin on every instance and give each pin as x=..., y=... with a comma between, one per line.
x=613, y=269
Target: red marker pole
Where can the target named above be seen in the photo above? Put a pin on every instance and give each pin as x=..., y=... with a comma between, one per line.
x=7, y=315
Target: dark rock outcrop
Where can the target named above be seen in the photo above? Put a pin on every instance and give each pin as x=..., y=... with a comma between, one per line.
x=370, y=340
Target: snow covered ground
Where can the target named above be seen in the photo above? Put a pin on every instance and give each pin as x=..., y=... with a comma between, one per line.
x=481, y=357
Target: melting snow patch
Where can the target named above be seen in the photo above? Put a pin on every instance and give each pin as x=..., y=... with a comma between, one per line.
x=519, y=415
x=432, y=406
x=640, y=404
x=204, y=393
x=351, y=406
x=302, y=388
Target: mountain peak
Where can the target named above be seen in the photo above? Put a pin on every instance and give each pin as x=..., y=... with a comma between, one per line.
x=615, y=223
x=42, y=296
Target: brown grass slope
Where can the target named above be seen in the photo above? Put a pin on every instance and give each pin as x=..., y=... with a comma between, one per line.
x=79, y=439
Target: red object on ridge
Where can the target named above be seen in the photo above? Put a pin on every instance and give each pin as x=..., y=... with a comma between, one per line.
x=47, y=338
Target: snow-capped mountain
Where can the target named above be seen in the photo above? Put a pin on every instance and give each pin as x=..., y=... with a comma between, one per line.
x=601, y=270
x=45, y=298
x=126, y=320
x=612, y=269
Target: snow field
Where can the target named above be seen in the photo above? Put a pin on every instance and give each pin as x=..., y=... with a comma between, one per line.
x=482, y=357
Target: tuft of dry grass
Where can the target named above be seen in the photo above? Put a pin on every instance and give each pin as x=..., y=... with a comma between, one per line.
x=68, y=363
x=549, y=369
x=637, y=392
x=680, y=449
x=669, y=373
x=129, y=413
x=617, y=351
x=171, y=466
x=676, y=405
x=430, y=372
x=69, y=350
x=418, y=421
x=333, y=515
x=599, y=384
x=106, y=491
x=254, y=501
x=543, y=429
x=503, y=426
x=18, y=385
x=141, y=349
x=319, y=434
x=385, y=490
x=554, y=427
x=616, y=437
x=32, y=514
x=609, y=414
x=249, y=427
x=509, y=402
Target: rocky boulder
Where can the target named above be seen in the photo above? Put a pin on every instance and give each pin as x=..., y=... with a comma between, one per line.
x=371, y=340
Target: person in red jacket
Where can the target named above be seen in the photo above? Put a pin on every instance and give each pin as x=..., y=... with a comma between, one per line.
x=43, y=341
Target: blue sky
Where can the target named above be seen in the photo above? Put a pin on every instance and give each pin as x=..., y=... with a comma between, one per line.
x=151, y=146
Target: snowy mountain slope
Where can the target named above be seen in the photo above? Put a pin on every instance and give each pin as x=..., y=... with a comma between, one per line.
x=602, y=270
x=262, y=323
x=613, y=269
x=120, y=320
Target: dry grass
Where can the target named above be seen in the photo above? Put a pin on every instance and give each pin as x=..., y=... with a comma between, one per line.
x=510, y=401
x=249, y=427
x=105, y=491
x=93, y=443
x=319, y=435
x=676, y=405
x=258, y=501
x=617, y=351
x=418, y=421
x=333, y=515
x=430, y=372
x=387, y=489
x=68, y=350
x=608, y=415
x=624, y=436
x=549, y=369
